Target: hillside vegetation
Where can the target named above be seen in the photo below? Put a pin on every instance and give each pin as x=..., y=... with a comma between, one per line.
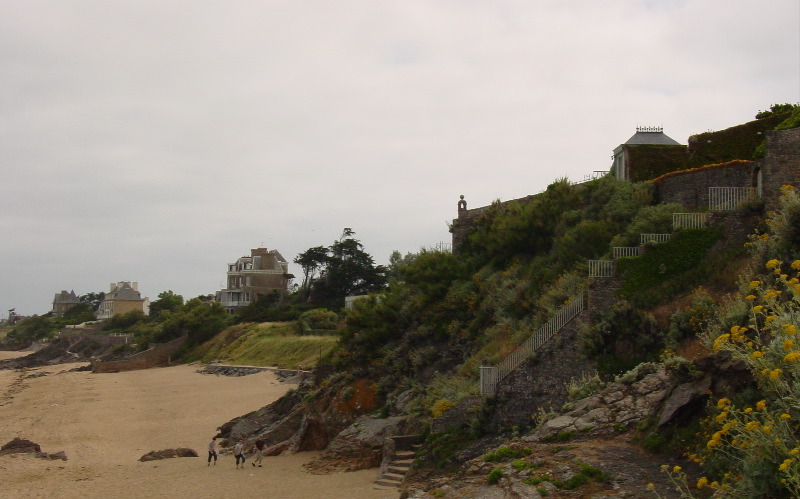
x=264, y=344
x=414, y=348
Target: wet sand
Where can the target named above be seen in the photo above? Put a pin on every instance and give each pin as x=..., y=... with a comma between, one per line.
x=106, y=422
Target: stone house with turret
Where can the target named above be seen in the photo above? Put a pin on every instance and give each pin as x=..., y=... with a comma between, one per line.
x=64, y=301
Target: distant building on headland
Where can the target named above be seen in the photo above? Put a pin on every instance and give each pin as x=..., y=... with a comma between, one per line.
x=649, y=147
x=64, y=301
x=122, y=297
x=262, y=273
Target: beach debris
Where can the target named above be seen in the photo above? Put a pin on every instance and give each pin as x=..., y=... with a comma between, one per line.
x=155, y=455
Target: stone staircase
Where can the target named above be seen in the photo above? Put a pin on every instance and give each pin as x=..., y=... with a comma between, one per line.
x=401, y=452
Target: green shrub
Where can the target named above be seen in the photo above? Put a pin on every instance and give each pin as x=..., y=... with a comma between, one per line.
x=495, y=475
x=562, y=436
x=575, y=481
x=666, y=269
x=585, y=386
x=594, y=473
x=520, y=465
x=691, y=321
x=318, y=318
x=620, y=339
x=536, y=480
x=654, y=442
x=650, y=219
x=504, y=452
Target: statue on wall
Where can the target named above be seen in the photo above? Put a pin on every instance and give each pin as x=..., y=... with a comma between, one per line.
x=462, y=205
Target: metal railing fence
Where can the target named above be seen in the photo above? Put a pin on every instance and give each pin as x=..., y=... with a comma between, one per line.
x=601, y=268
x=728, y=198
x=689, y=220
x=654, y=238
x=491, y=376
x=626, y=251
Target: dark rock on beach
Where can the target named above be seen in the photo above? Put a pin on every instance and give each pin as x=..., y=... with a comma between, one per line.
x=155, y=455
x=23, y=446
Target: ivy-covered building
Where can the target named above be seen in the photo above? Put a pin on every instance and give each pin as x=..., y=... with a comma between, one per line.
x=648, y=154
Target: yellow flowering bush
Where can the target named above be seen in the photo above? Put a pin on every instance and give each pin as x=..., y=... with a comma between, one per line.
x=759, y=443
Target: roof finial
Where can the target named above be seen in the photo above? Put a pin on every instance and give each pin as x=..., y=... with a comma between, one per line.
x=650, y=129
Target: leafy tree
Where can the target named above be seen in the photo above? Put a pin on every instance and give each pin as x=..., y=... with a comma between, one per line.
x=167, y=301
x=311, y=261
x=200, y=320
x=396, y=262
x=32, y=329
x=344, y=269
x=125, y=320
x=776, y=109
x=93, y=299
x=349, y=271
x=82, y=312
x=262, y=309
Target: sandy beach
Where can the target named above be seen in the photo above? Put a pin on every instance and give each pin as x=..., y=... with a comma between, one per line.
x=106, y=422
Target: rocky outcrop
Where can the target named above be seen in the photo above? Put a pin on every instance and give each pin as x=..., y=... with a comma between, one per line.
x=155, y=455
x=304, y=419
x=601, y=468
x=23, y=446
x=359, y=446
x=285, y=375
x=619, y=406
x=19, y=446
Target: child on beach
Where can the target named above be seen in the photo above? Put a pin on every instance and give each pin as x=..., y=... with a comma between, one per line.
x=212, y=451
x=238, y=453
x=259, y=452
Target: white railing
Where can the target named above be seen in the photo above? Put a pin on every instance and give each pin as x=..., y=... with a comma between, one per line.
x=491, y=376
x=441, y=247
x=593, y=176
x=601, y=268
x=626, y=251
x=654, y=238
x=728, y=198
x=689, y=220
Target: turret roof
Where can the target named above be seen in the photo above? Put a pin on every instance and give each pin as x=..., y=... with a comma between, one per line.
x=650, y=135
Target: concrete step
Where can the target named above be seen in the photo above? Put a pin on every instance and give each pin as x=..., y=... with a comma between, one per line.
x=396, y=470
x=385, y=483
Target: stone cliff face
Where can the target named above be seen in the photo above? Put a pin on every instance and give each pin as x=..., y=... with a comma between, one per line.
x=305, y=419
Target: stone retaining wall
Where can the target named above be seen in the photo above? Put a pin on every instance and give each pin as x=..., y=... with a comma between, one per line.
x=690, y=188
x=781, y=165
x=541, y=383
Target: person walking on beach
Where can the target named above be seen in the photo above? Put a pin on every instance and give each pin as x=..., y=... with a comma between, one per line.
x=212, y=451
x=259, y=452
x=238, y=453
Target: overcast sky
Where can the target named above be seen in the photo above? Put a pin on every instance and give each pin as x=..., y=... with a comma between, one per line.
x=158, y=140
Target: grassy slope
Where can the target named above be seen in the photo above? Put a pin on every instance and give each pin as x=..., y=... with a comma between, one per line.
x=264, y=344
